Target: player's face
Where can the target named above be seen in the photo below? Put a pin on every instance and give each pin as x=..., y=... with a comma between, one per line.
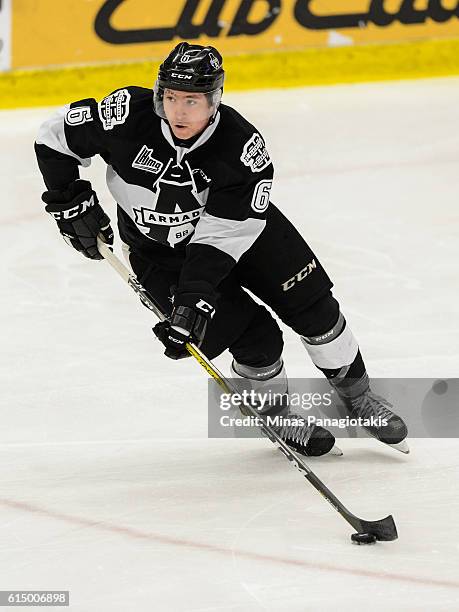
x=188, y=113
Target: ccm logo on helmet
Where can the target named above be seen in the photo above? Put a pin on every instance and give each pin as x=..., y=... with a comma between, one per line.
x=306, y=271
x=176, y=75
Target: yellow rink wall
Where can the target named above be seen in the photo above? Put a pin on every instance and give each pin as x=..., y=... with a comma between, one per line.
x=268, y=70
x=55, y=52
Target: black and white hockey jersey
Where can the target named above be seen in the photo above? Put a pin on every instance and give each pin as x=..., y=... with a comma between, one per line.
x=210, y=196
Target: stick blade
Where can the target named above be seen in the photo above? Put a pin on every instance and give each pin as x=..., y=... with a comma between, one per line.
x=384, y=530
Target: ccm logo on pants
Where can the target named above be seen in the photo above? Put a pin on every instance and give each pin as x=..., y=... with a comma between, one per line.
x=308, y=268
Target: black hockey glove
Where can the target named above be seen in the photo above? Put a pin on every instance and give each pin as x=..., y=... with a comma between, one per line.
x=188, y=323
x=79, y=217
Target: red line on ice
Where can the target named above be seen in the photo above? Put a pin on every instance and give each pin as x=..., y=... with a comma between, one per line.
x=201, y=546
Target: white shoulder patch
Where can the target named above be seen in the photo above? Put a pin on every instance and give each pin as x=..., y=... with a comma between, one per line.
x=255, y=155
x=114, y=109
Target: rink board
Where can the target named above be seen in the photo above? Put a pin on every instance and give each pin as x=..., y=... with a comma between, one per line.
x=29, y=88
x=128, y=30
x=90, y=48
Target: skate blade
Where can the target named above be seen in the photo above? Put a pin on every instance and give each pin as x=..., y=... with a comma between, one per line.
x=401, y=446
x=336, y=451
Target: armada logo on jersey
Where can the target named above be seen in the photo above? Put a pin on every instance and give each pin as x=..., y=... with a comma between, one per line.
x=255, y=154
x=146, y=161
x=306, y=271
x=78, y=115
x=114, y=109
x=147, y=216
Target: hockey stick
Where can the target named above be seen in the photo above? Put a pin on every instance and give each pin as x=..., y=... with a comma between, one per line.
x=383, y=529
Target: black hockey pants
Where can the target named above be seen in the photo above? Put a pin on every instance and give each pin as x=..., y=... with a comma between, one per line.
x=279, y=268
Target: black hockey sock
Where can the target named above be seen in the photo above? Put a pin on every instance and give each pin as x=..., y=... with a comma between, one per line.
x=349, y=381
x=355, y=370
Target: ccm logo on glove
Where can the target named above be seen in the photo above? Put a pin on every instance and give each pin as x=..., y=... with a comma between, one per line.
x=79, y=217
x=76, y=211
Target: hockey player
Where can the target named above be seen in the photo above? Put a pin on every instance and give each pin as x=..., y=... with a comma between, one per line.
x=192, y=179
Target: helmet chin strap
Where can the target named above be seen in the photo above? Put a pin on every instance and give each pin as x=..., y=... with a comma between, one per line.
x=217, y=104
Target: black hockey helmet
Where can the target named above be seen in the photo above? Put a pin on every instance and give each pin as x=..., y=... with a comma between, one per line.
x=192, y=68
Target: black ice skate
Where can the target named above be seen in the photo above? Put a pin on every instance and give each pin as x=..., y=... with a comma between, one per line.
x=307, y=440
x=293, y=429
x=362, y=403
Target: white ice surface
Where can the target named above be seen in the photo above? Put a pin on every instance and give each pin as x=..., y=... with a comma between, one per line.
x=109, y=486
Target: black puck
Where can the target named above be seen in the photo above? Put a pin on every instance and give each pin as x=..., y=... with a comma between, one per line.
x=363, y=538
